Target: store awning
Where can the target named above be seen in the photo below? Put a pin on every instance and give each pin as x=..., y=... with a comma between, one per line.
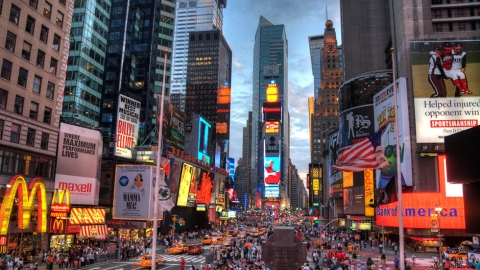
x=93, y=231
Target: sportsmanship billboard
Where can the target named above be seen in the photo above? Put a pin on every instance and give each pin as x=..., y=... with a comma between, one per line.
x=173, y=126
x=457, y=107
x=384, y=110
x=128, y=116
x=272, y=175
x=133, y=194
x=79, y=158
x=355, y=124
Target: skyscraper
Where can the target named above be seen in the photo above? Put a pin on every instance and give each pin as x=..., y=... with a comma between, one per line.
x=270, y=63
x=200, y=15
x=316, y=49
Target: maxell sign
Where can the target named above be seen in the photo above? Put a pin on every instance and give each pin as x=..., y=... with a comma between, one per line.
x=79, y=163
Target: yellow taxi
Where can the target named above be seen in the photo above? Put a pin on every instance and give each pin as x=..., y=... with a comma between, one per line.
x=227, y=242
x=262, y=231
x=176, y=248
x=146, y=261
x=206, y=240
x=459, y=255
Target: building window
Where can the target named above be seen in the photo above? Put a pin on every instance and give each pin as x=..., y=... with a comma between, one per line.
x=62, y=2
x=22, y=77
x=14, y=14
x=31, y=137
x=59, y=20
x=18, y=108
x=33, y=3
x=26, y=50
x=33, y=110
x=53, y=66
x=437, y=27
x=47, y=10
x=3, y=98
x=40, y=58
x=37, y=84
x=461, y=26
x=6, y=69
x=56, y=42
x=15, y=134
x=44, y=141
x=10, y=41
x=30, y=26
x=50, y=89
x=47, y=115
x=2, y=123
x=44, y=34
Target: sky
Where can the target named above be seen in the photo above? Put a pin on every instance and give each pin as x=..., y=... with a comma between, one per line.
x=301, y=20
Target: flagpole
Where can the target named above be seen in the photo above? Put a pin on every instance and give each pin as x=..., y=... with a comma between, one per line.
x=157, y=174
x=399, y=163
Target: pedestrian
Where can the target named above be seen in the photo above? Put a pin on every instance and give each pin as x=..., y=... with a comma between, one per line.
x=182, y=263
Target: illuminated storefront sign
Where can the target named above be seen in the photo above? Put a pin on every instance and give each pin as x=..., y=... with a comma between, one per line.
x=369, y=193
x=419, y=207
x=271, y=126
x=87, y=216
x=59, y=210
x=363, y=226
x=58, y=226
x=25, y=204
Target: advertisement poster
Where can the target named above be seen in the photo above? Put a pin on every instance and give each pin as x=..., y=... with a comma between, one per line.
x=204, y=130
x=272, y=177
x=219, y=190
x=79, y=158
x=133, y=195
x=353, y=200
x=128, y=116
x=205, y=187
x=192, y=193
x=334, y=176
x=175, y=178
x=355, y=124
x=173, y=126
x=384, y=111
x=445, y=105
x=185, y=181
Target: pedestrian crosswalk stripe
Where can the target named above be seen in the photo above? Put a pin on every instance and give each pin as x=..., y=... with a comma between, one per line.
x=188, y=258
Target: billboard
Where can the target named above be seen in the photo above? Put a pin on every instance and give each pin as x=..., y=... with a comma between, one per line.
x=369, y=193
x=188, y=174
x=25, y=198
x=272, y=111
x=220, y=189
x=271, y=127
x=272, y=175
x=361, y=226
x=454, y=111
x=204, y=130
x=419, y=207
x=173, y=126
x=353, y=200
x=355, y=124
x=222, y=126
x=79, y=158
x=384, y=111
x=333, y=149
x=128, y=116
x=231, y=168
x=175, y=178
x=133, y=193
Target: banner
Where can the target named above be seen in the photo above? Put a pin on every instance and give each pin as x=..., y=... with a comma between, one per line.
x=24, y=198
x=93, y=230
x=188, y=173
x=87, y=216
x=128, y=116
x=354, y=124
x=133, y=194
x=173, y=126
x=369, y=193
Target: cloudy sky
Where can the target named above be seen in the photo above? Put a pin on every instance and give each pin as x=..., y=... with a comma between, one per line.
x=301, y=19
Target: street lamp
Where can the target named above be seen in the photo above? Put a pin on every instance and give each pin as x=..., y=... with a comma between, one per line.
x=439, y=209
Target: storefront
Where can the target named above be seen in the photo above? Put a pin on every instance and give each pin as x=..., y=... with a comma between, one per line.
x=131, y=231
x=61, y=242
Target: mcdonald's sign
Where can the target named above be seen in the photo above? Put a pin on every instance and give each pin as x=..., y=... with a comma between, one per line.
x=60, y=201
x=58, y=226
x=18, y=188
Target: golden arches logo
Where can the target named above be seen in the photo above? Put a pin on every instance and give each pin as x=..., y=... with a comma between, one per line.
x=58, y=226
x=61, y=196
x=18, y=188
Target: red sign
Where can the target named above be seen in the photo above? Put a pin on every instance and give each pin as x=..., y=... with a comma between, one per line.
x=419, y=207
x=60, y=208
x=3, y=240
x=271, y=127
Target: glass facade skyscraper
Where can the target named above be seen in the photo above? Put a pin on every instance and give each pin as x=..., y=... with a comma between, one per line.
x=316, y=48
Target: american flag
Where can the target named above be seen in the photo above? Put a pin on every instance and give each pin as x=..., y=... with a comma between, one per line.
x=364, y=154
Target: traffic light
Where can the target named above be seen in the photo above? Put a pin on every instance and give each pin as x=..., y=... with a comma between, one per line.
x=180, y=223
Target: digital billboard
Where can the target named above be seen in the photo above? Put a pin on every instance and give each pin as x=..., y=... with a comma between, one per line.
x=457, y=108
x=355, y=124
x=205, y=187
x=231, y=168
x=204, y=129
x=79, y=159
x=271, y=127
x=419, y=207
x=272, y=175
x=272, y=111
x=361, y=226
x=128, y=117
x=222, y=126
x=173, y=126
x=353, y=200
x=185, y=180
x=333, y=149
x=384, y=111
x=175, y=179
x=192, y=193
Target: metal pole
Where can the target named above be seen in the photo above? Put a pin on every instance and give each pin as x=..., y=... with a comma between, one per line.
x=157, y=175
x=383, y=238
x=399, y=163
x=440, y=239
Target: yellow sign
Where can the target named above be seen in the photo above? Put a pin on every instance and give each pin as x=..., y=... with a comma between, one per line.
x=369, y=193
x=271, y=126
x=58, y=226
x=347, y=179
x=316, y=184
x=60, y=201
x=272, y=93
x=26, y=203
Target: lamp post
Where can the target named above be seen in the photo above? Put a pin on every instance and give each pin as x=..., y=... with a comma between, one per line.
x=438, y=209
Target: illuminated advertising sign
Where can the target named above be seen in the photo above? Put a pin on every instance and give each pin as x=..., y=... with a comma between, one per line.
x=205, y=187
x=419, y=207
x=224, y=95
x=232, y=213
x=84, y=216
x=341, y=222
x=272, y=93
x=316, y=184
x=353, y=200
x=128, y=116
x=333, y=148
x=204, y=129
x=383, y=106
x=60, y=201
x=201, y=207
x=272, y=175
x=173, y=126
x=231, y=168
x=222, y=125
x=347, y=179
x=455, y=111
x=271, y=126
x=133, y=193
x=369, y=192
x=220, y=189
x=355, y=124
x=79, y=159
x=362, y=226
x=272, y=111
x=188, y=173
x=58, y=226
x=272, y=191
x=24, y=198
x=175, y=178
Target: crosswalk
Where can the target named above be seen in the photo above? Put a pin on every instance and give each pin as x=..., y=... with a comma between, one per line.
x=178, y=257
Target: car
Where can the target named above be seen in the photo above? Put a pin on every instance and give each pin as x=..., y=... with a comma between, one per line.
x=194, y=249
x=146, y=261
x=206, y=240
x=241, y=235
x=227, y=242
x=176, y=248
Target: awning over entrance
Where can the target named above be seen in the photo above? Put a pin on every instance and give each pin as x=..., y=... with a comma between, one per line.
x=93, y=231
